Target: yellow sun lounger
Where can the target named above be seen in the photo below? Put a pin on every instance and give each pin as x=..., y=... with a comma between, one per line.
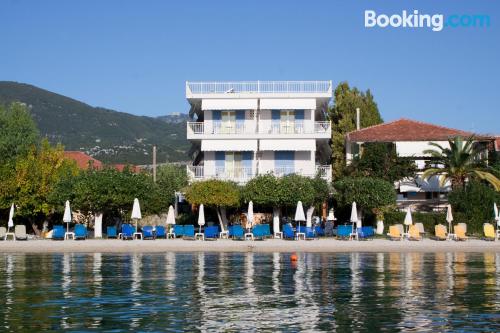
x=440, y=232
x=414, y=232
x=394, y=233
x=489, y=231
x=460, y=233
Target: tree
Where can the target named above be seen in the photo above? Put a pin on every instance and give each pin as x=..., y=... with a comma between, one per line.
x=171, y=178
x=459, y=163
x=214, y=193
x=18, y=132
x=380, y=160
x=368, y=193
x=343, y=117
x=263, y=190
x=35, y=177
x=475, y=201
x=294, y=188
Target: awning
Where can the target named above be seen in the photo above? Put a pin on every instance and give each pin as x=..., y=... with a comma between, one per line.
x=287, y=104
x=229, y=104
x=420, y=185
x=229, y=145
x=288, y=144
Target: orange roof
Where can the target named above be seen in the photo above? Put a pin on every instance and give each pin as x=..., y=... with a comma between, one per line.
x=497, y=143
x=405, y=130
x=83, y=161
x=121, y=167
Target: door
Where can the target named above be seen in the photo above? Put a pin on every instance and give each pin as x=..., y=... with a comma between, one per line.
x=287, y=122
x=233, y=165
x=228, y=124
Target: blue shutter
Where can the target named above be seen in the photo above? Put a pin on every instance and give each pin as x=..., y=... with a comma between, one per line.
x=275, y=115
x=240, y=121
x=220, y=159
x=275, y=121
x=299, y=114
x=216, y=115
x=247, y=157
x=240, y=115
x=285, y=159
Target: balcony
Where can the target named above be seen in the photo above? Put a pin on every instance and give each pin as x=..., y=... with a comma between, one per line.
x=255, y=88
x=243, y=175
x=248, y=130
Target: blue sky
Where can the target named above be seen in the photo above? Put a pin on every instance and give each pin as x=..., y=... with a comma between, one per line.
x=134, y=56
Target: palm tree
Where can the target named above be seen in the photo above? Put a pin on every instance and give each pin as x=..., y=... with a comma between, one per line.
x=458, y=163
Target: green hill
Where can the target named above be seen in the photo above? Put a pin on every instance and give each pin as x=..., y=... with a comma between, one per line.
x=108, y=135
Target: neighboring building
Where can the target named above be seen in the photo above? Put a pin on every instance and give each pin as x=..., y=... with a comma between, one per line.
x=243, y=129
x=84, y=161
x=411, y=138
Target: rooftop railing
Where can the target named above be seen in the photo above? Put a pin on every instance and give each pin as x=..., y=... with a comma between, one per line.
x=260, y=87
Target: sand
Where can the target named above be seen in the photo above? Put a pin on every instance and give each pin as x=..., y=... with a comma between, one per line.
x=225, y=245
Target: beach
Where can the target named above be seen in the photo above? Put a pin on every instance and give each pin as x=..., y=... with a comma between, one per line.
x=225, y=245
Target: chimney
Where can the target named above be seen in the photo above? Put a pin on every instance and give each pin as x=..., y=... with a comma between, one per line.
x=358, y=120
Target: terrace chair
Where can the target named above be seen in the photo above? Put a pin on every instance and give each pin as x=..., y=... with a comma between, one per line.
x=188, y=232
x=288, y=231
x=80, y=231
x=460, y=233
x=395, y=233
x=261, y=231
x=308, y=231
x=147, y=232
x=344, y=231
x=3, y=231
x=211, y=232
x=178, y=230
x=414, y=233
x=440, y=232
x=161, y=232
x=127, y=231
x=319, y=231
x=236, y=232
x=489, y=232
x=111, y=232
x=20, y=232
x=420, y=227
x=58, y=232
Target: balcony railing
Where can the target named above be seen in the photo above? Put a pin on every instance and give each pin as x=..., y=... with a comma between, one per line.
x=320, y=127
x=244, y=174
x=262, y=87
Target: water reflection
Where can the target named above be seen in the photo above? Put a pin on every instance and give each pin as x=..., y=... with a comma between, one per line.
x=251, y=292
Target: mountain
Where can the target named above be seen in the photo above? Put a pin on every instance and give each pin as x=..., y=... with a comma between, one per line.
x=108, y=135
x=174, y=118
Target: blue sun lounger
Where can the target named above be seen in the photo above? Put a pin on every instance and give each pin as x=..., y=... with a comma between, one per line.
x=178, y=230
x=128, y=231
x=188, y=231
x=320, y=232
x=161, y=232
x=80, y=231
x=365, y=232
x=344, y=231
x=288, y=232
x=308, y=231
x=211, y=232
x=111, y=232
x=147, y=232
x=236, y=231
x=58, y=232
x=261, y=231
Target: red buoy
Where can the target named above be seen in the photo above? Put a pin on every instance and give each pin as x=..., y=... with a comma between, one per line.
x=293, y=257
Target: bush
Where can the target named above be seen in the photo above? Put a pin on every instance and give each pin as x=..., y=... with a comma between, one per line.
x=368, y=193
x=474, y=205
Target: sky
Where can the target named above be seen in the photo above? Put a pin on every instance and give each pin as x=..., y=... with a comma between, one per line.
x=135, y=56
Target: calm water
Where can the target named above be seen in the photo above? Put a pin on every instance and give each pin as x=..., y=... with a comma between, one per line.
x=250, y=292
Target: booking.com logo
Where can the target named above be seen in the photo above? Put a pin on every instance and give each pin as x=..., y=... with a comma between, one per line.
x=436, y=22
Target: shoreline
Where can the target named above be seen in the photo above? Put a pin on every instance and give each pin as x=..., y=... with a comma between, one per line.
x=224, y=245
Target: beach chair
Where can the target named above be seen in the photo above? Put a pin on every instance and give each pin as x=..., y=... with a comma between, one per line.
x=161, y=232
x=395, y=232
x=401, y=228
x=20, y=232
x=459, y=233
x=3, y=231
x=440, y=232
x=147, y=232
x=80, y=231
x=261, y=231
x=489, y=232
x=421, y=229
x=111, y=232
x=344, y=231
x=236, y=232
x=414, y=233
x=308, y=231
x=127, y=231
x=211, y=232
x=329, y=229
x=58, y=232
x=188, y=231
x=288, y=231
x=178, y=230
x=463, y=225
x=365, y=232
x=319, y=231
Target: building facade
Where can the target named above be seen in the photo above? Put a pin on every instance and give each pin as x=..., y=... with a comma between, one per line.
x=410, y=139
x=242, y=129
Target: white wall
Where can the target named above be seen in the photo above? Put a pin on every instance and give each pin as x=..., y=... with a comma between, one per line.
x=416, y=148
x=304, y=162
x=265, y=121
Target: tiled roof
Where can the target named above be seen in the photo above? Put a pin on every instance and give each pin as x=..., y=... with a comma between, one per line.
x=121, y=167
x=497, y=143
x=405, y=130
x=83, y=160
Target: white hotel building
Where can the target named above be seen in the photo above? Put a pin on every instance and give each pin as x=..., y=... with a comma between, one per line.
x=243, y=129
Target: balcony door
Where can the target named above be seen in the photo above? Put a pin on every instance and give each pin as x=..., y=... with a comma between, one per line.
x=233, y=164
x=287, y=122
x=228, y=122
